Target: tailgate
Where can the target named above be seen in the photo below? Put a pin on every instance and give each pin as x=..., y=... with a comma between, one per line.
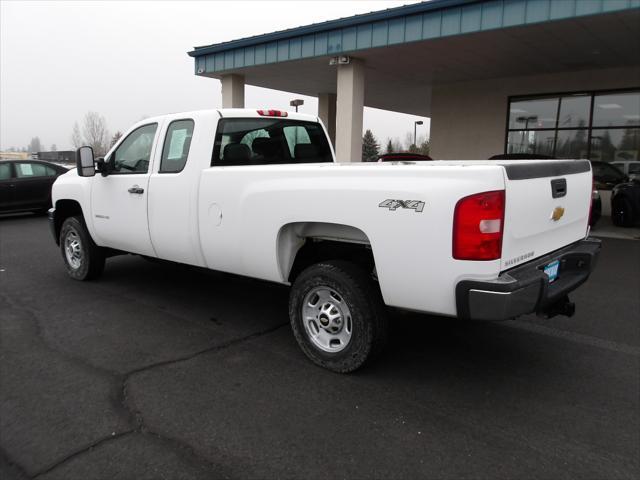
x=547, y=207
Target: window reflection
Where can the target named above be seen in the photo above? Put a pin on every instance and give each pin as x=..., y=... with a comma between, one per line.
x=616, y=110
x=600, y=126
x=574, y=111
x=540, y=113
x=531, y=141
x=615, y=144
x=572, y=144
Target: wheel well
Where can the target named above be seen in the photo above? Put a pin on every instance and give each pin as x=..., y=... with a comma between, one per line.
x=316, y=250
x=64, y=210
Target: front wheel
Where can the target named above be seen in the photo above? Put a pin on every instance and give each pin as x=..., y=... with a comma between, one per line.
x=337, y=315
x=82, y=257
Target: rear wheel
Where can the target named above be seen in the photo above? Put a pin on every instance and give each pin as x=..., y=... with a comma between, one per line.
x=337, y=315
x=621, y=213
x=82, y=257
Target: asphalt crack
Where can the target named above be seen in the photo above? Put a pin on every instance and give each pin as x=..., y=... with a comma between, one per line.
x=122, y=400
x=82, y=451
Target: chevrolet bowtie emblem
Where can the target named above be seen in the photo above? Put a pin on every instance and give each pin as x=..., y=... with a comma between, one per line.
x=557, y=214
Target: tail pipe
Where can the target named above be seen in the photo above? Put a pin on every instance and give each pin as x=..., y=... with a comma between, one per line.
x=562, y=307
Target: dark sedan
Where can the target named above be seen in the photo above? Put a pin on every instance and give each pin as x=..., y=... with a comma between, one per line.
x=25, y=185
x=625, y=203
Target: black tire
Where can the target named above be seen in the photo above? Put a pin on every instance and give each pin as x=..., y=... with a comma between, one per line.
x=621, y=213
x=90, y=262
x=366, y=314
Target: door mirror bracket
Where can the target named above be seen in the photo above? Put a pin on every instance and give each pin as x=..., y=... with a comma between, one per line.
x=102, y=167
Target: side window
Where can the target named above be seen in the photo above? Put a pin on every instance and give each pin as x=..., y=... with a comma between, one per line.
x=30, y=170
x=269, y=141
x=176, y=146
x=5, y=171
x=134, y=153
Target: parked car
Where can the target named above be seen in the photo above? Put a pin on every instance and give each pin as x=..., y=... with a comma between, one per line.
x=596, y=201
x=403, y=157
x=25, y=185
x=630, y=168
x=606, y=176
x=625, y=203
x=349, y=239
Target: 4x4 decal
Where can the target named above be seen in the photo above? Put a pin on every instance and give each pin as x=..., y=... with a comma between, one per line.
x=393, y=205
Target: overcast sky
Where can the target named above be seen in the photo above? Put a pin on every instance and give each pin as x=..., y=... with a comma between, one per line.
x=128, y=60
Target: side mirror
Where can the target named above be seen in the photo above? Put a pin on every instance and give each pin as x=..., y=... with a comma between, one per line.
x=84, y=162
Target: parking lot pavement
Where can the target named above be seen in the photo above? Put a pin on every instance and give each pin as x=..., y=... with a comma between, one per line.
x=164, y=371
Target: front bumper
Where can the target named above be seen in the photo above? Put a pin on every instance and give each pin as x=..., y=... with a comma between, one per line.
x=526, y=288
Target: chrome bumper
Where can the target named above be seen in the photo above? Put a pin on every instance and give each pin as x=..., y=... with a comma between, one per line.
x=526, y=288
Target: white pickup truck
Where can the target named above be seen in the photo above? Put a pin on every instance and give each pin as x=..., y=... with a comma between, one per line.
x=258, y=193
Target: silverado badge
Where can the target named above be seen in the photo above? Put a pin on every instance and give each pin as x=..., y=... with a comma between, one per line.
x=557, y=214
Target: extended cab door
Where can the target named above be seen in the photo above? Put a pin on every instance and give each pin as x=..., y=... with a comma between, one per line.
x=173, y=188
x=119, y=200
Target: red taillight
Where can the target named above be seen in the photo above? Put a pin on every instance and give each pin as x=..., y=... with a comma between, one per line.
x=272, y=113
x=478, y=223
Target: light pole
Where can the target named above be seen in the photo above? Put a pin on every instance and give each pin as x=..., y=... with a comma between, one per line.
x=296, y=102
x=415, y=126
x=525, y=120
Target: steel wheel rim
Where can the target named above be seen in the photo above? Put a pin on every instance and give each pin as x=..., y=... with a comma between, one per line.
x=327, y=319
x=73, y=249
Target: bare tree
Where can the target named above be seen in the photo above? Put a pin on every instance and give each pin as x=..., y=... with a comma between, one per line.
x=95, y=133
x=116, y=136
x=54, y=148
x=76, y=136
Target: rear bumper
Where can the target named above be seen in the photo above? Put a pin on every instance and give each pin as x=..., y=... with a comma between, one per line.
x=526, y=288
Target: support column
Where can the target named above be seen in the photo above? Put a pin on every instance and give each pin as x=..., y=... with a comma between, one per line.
x=350, y=106
x=327, y=113
x=232, y=91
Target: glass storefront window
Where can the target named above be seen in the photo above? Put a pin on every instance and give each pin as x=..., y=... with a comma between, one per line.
x=598, y=125
x=531, y=141
x=615, y=144
x=572, y=144
x=616, y=110
x=574, y=111
x=531, y=114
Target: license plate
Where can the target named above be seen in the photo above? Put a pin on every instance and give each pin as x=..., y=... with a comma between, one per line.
x=552, y=270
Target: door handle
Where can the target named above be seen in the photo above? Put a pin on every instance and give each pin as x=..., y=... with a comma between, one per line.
x=136, y=189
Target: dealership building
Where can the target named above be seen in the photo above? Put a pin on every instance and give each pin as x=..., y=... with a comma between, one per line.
x=553, y=77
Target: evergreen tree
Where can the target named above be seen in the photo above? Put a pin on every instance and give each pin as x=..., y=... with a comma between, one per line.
x=389, y=147
x=370, y=147
x=34, y=145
